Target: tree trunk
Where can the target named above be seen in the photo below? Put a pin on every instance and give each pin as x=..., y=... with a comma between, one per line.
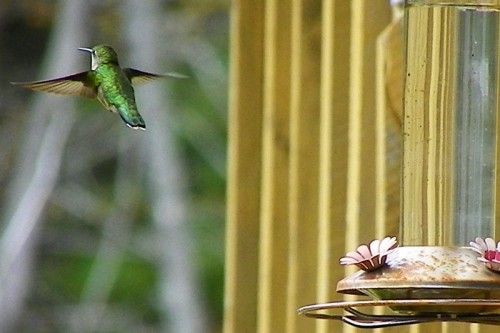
x=38, y=163
x=179, y=294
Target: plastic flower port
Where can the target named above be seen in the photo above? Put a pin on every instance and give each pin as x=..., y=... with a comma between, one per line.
x=372, y=257
x=489, y=251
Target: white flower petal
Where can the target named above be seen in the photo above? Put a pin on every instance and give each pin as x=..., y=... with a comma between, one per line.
x=388, y=244
x=364, y=251
x=477, y=248
x=348, y=261
x=481, y=243
x=490, y=244
x=375, y=247
x=355, y=255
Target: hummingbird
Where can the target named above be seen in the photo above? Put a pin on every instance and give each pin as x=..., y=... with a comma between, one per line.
x=106, y=81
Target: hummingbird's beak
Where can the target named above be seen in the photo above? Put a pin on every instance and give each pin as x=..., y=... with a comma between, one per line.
x=85, y=49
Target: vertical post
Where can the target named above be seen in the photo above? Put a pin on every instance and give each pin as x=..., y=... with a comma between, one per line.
x=304, y=159
x=335, y=69
x=274, y=217
x=389, y=117
x=244, y=167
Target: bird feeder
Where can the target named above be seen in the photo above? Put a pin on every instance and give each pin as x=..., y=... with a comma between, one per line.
x=450, y=178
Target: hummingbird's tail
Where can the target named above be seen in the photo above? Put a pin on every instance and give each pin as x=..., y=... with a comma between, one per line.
x=133, y=120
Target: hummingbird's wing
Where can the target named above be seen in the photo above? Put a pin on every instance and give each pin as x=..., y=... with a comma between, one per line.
x=139, y=77
x=75, y=84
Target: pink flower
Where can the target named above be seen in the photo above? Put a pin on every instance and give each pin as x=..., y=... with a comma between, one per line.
x=490, y=253
x=372, y=257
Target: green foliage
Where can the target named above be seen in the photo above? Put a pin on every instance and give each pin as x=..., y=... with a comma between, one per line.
x=61, y=278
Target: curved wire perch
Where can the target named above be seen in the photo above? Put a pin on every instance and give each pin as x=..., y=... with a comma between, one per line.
x=363, y=320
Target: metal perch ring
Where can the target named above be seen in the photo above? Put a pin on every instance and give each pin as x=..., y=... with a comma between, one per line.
x=362, y=320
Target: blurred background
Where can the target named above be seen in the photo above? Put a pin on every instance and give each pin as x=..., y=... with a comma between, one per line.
x=104, y=228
